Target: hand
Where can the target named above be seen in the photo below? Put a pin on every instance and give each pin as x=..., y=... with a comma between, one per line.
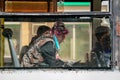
x=57, y=56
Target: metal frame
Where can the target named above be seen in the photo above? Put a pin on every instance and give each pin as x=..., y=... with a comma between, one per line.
x=58, y=15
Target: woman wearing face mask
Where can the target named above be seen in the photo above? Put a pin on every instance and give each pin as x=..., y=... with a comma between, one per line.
x=50, y=49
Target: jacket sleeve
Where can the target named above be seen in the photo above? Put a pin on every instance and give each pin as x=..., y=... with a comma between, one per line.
x=48, y=52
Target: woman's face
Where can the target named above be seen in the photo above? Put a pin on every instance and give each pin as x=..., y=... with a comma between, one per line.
x=60, y=34
x=60, y=37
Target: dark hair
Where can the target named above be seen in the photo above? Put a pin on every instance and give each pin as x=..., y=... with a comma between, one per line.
x=59, y=27
x=42, y=29
x=100, y=31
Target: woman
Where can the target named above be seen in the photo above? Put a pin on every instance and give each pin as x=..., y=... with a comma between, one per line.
x=50, y=49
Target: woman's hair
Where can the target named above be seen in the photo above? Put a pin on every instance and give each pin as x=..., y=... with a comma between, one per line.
x=60, y=28
x=100, y=31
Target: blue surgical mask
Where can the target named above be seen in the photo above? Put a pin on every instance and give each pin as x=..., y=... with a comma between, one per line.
x=56, y=42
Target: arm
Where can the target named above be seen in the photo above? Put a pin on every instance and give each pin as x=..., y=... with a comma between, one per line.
x=48, y=52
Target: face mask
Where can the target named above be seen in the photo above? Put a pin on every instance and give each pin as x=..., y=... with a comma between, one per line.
x=56, y=42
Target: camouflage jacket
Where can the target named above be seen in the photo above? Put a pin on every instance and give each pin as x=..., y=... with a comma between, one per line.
x=33, y=56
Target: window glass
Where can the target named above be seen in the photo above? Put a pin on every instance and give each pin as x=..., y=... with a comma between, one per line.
x=77, y=42
x=80, y=49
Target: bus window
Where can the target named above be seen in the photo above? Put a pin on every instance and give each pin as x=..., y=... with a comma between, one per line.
x=78, y=49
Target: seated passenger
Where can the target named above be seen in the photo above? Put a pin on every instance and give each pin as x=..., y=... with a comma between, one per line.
x=101, y=53
x=50, y=49
x=30, y=56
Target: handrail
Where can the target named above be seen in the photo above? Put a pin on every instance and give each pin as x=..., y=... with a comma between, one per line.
x=8, y=34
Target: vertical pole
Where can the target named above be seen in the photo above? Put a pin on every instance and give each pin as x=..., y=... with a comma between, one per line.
x=74, y=53
x=13, y=53
x=1, y=42
x=115, y=47
x=116, y=22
